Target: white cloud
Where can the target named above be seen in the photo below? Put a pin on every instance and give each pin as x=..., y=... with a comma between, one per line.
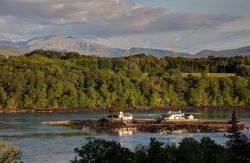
x=185, y=41
x=118, y=24
x=13, y=28
x=58, y=6
x=107, y=18
x=58, y=21
x=2, y=19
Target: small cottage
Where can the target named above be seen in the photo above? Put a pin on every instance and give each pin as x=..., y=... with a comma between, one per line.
x=125, y=116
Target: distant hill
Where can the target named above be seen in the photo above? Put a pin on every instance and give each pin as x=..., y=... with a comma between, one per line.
x=156, y=52
x=11, y=51
x=8, y=43
x=60, y=43
x=244, y=51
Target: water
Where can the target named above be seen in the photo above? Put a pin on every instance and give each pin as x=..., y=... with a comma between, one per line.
x=55, y=144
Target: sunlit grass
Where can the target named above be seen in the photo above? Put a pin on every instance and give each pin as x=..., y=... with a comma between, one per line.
x=215, y=75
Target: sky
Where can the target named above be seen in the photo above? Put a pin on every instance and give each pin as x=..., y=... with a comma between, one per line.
x=187, y=25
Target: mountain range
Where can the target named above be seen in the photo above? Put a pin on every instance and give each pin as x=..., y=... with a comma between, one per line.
x=66, y=44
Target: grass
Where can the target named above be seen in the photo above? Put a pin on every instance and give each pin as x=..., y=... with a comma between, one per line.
x=214, y=75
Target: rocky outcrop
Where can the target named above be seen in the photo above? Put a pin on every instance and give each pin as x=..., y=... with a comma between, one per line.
x=153, y=126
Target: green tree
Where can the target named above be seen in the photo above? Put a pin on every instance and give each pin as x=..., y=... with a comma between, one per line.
x=238, y=143
x=155, y=151
x=189, y=151
x=101, y=151
x=212, y=152
x=59, y=79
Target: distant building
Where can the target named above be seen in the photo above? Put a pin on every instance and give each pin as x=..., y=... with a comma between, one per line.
x=189, y=116
x=125, y=116
x=121, y=115
x=178, y=115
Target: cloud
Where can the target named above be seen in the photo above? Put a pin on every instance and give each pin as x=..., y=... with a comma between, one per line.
x=122, y=24
x=13, y=28
x=185, y=41
x=102, y=18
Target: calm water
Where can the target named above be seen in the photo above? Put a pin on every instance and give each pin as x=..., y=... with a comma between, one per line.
x=55, y=144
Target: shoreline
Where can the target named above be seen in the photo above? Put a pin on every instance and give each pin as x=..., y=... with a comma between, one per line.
x=150, y=125
x=138, y=108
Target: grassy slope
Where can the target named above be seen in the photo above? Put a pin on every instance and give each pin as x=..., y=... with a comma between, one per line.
x=216, y=75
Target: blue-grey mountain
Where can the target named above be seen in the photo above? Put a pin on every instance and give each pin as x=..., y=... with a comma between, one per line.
x=59, y=43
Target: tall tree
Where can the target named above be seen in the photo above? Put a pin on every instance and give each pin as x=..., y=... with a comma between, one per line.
x=238, y=143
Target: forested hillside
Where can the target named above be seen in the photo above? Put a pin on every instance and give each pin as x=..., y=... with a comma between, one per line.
x=52, y=79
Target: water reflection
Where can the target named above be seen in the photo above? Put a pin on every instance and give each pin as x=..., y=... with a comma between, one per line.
x=125, y=133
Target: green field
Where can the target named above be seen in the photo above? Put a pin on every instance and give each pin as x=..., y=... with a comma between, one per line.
x=215, y=75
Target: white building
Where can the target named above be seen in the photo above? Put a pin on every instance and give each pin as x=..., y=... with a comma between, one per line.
x=178, y=115
x=175, y=115
x=125, y=116
x=189, y=116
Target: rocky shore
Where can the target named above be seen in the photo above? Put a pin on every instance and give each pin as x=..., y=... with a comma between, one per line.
x=69, y=110
x=153, y=126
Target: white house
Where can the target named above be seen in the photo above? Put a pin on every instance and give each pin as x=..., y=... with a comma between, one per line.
x=178, y=115
x=175, y=115
x=125, y=116
x=189, y=116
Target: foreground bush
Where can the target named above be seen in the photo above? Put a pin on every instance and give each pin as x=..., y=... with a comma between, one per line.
x=188, y=150
x=9, y=154
x=99, y=150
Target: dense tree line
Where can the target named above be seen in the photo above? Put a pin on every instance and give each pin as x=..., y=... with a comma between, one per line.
x=237, y=150
x=55, y=79
x=188, y=150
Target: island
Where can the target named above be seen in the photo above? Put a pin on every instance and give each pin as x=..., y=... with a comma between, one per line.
x=176, y=123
